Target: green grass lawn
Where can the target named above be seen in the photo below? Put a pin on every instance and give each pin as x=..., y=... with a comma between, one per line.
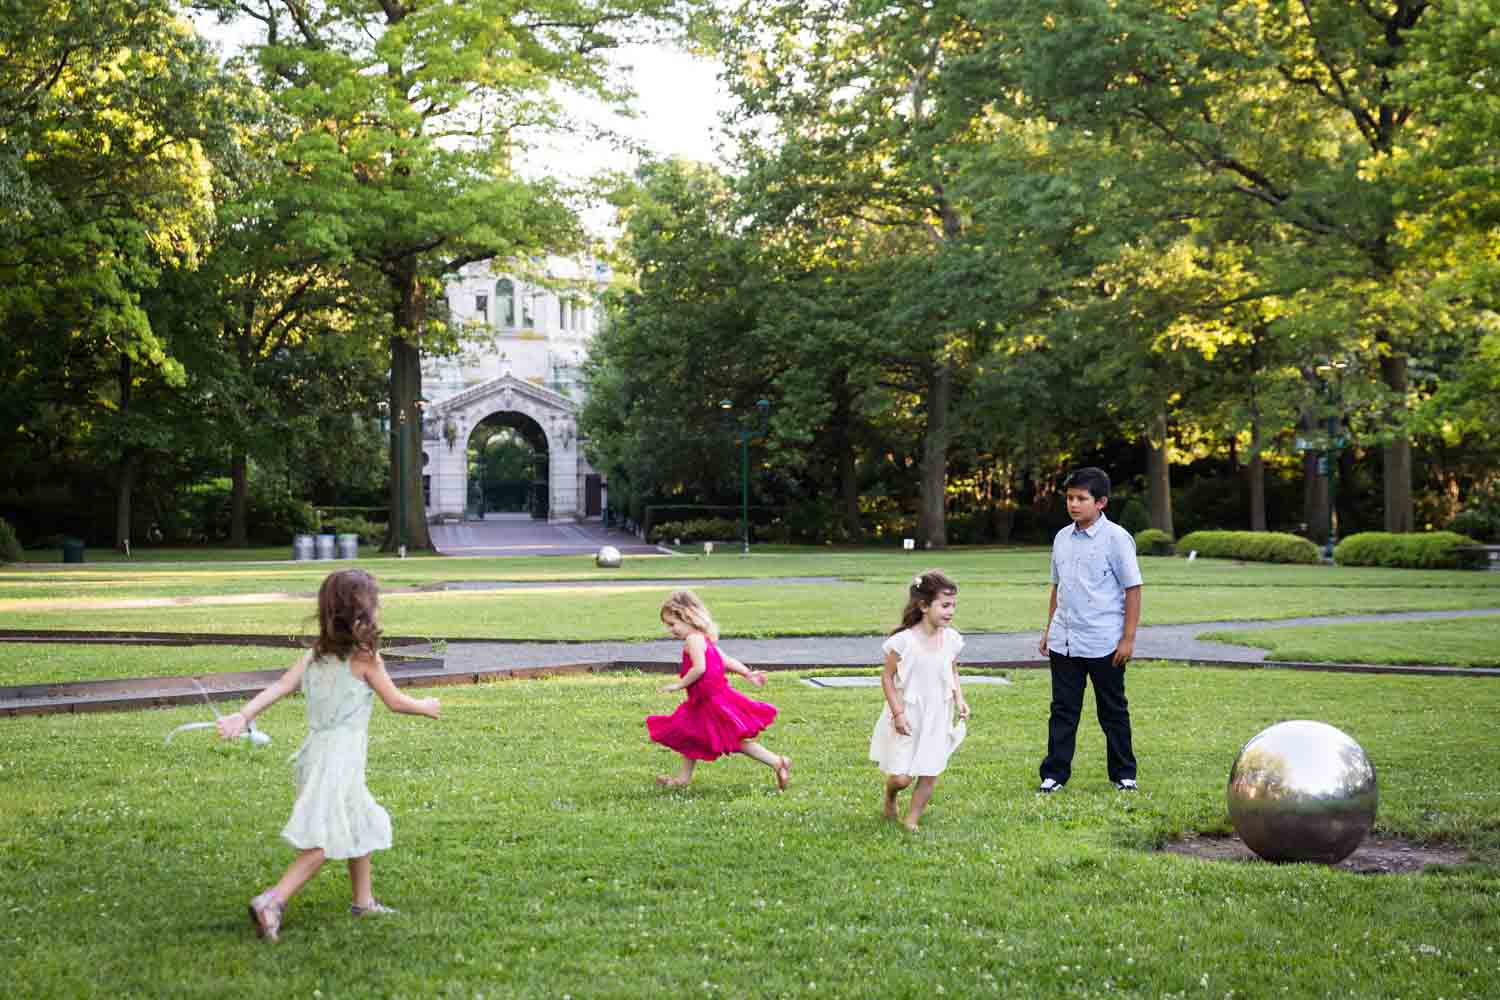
x=1458, y=642
x=57, y=662
x=535, y=857
x=1001, y=590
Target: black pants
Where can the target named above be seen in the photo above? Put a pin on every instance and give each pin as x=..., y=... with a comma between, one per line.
x=1070, y=675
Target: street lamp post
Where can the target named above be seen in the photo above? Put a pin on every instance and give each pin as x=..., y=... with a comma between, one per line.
x=1334, y=385
x=745, y=434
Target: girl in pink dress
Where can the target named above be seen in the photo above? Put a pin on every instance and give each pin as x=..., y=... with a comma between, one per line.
x=714, y=719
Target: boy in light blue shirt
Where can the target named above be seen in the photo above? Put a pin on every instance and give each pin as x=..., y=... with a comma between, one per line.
x=1092, y=616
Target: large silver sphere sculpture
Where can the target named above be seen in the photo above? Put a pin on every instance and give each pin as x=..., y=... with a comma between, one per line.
x=608, y=558
x=1302, y=791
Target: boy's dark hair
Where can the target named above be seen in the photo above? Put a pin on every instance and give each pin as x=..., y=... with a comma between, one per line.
x=1090, y=478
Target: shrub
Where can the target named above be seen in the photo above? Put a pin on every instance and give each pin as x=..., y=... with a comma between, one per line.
x=1479, y=523
x=707, y=529
x=1251, y=546
x=10, y=545
x=1428, y=550
x=1153, y=542
x=368, y=531
x=1133, y=515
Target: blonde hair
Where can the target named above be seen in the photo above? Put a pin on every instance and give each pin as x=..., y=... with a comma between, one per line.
x=684, y=606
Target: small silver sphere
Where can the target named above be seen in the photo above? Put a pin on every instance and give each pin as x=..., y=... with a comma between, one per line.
x=1302, y=791
x=608, y=558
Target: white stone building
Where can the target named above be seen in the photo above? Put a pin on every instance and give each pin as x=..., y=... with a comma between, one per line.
x=524, y=346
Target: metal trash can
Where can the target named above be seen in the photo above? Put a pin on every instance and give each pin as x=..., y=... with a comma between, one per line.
x=72, y=551
x=348, y=546
x=325, y=546
x=302, y=548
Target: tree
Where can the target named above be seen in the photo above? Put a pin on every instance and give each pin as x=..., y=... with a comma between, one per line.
x=870, y=108
x=1284, y=108
x=679, y=340
x=410, y=117
x=109, y=114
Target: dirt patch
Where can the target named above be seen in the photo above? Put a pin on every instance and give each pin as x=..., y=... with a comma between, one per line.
x=1376, y=856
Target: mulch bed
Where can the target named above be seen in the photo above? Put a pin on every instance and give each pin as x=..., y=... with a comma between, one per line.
x=1376, y=856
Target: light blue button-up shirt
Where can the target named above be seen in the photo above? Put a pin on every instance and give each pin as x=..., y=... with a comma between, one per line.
x=1092, y=569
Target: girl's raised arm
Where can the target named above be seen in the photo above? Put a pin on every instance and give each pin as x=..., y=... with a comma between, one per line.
x=232, y=725
x=756, y=677
x=371, y=669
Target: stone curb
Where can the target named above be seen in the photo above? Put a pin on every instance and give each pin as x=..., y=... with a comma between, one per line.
x=164, y=692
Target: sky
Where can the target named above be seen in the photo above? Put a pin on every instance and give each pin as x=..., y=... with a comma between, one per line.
x=679, y=98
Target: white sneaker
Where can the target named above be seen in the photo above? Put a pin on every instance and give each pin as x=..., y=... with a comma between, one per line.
x=1127, y=785
x=1048, y=786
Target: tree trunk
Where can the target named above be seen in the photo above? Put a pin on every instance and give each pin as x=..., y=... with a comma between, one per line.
x=1159, y=476
x=1255, y=475
x=1400, y=515
x=125, y=476
x=932, y=525
x=239, y=494
x=848, y=472
x=1314, y=495
x=126, y=470
x=406, y=418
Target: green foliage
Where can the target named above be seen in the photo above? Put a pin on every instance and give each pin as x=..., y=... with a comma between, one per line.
x=369, y=532
x=10, y=545
x=1479, y=523
x=1251, y=546
x=201, y=513
x=1428, y=550
x=1132, y=515
x=1154, y=542
x=708, y=529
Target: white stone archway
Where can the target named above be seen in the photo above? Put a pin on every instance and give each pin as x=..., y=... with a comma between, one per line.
x=449, y=422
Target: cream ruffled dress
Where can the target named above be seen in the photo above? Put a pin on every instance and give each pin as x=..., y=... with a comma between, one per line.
x=334, y=809
x=924, y=678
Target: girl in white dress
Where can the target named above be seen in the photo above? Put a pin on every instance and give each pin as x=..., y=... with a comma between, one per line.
x=334, y=816
x=916, y=732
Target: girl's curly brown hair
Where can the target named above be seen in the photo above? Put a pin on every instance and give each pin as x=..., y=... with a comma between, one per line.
x=348, y=603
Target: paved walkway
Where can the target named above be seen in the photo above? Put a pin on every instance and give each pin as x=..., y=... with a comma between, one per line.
x=468, y=662
x=522, y=535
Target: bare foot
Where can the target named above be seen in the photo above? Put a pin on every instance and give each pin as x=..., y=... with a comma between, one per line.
x=783, y=773
x=910, y=826
x=671, y=781
x=890, y=804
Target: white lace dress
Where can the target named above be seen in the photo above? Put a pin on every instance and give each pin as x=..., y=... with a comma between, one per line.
x=334, y=809
x=924, y=678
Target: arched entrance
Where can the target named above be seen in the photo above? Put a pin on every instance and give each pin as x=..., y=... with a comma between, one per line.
x=507, y=467
x=562, y=485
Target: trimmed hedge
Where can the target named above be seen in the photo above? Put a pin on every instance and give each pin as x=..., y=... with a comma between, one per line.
x=1154, y=542
x=708, y=529
x=1251, y=546
x=1427, y=550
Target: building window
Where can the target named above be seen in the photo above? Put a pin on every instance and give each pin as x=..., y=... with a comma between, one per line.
x=526, y=320
x=505, y=302
x=562, y=314
x=482, y=307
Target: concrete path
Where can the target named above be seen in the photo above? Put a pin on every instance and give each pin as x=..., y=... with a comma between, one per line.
x=468, y=662
x=521, y=535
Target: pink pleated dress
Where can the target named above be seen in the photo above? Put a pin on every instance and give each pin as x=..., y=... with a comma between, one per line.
x=714, y=717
